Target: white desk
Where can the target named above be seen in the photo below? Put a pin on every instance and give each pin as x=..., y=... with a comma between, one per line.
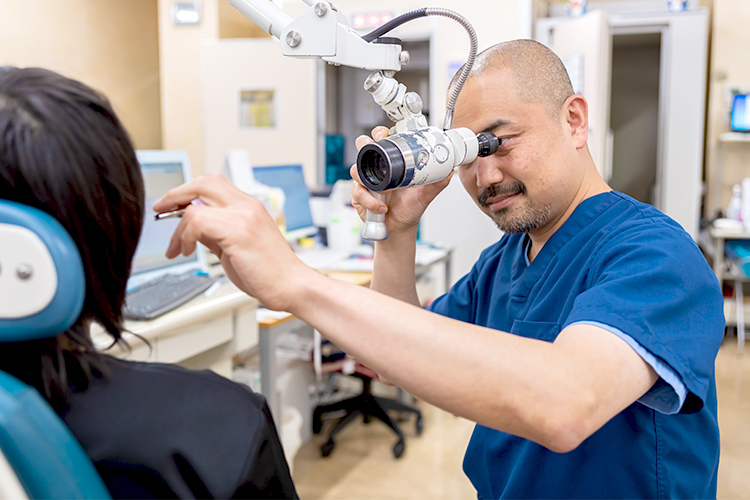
x=205, y=332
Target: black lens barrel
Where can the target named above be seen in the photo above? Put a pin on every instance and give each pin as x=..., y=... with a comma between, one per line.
x=488, y=143
x=381, y=165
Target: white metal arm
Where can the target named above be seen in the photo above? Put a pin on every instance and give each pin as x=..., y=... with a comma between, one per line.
x=321, y=32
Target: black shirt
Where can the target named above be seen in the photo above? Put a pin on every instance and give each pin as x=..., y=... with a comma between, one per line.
x=162, y=431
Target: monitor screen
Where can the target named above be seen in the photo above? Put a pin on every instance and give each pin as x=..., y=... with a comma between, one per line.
x=741, y=113
x=291, y=180
x=162, y=171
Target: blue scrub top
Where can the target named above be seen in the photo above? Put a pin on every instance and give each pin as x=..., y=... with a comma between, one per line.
x=622, y=264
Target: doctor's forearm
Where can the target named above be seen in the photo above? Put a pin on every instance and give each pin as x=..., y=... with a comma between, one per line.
x=484, y=375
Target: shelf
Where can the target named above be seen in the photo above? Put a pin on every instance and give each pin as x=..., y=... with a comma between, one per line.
x=729, y=234
x=734, y=137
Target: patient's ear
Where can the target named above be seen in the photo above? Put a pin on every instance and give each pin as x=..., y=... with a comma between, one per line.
x=575, y=113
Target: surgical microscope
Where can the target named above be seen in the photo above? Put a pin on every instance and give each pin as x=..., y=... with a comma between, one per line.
x=414, y=153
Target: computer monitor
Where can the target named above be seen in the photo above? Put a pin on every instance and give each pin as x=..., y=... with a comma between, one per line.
x=297, y=213
x=740, y=121
x=162, y=170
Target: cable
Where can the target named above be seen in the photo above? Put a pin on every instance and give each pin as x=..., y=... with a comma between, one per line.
x=437, y=11
x=394, y=23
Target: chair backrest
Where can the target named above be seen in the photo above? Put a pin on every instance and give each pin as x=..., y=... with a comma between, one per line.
x=42, y=287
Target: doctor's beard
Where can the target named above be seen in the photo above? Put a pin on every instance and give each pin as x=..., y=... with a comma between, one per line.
x=521, y=216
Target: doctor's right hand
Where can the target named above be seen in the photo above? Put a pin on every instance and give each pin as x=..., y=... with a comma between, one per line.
x=404, y=206
x=237, y=228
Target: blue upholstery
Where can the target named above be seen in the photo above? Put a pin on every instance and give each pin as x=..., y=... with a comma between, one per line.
x=47, y=459
x=66, y=305
x=50, y=463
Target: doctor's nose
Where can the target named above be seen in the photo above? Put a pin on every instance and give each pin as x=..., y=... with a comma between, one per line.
x=488, y=172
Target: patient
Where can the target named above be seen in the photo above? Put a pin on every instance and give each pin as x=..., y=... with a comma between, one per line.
x=152, y=430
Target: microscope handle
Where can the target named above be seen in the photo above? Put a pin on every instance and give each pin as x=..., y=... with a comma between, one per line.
x=375, y=229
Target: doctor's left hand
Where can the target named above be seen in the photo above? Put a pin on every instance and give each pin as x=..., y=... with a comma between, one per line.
x=237, y=228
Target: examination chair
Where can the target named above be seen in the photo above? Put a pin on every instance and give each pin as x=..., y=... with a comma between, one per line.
x=42, y=287
x=334, y=361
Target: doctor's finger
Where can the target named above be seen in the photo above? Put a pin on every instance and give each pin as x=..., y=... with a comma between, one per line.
x=362, y=141
x=361, y=196
x=214, y=190
x=377, y=133
x=192, y=229
x=380, y=132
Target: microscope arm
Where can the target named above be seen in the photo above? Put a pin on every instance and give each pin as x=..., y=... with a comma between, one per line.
x=320, y=32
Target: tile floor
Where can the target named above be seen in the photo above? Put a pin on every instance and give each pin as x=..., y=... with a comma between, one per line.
x=362, y=466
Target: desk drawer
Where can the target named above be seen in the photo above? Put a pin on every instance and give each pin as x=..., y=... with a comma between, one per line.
x=195, y=339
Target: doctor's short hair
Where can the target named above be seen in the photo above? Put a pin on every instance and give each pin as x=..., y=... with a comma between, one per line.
x=64, y=151
x=538, y=73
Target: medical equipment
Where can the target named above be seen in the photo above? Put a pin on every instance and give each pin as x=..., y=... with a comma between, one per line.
x=414, y=154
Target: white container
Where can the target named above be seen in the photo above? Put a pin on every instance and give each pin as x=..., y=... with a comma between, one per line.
x=734, y=209
x=344, y=226
x=745, y=211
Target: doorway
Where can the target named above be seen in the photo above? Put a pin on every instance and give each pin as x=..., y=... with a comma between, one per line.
x=656, y=63
x=634, y=114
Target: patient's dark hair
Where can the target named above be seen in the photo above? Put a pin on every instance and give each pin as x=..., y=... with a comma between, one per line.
x=63, y=150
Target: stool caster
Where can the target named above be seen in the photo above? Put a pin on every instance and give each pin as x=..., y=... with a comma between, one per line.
x=327, y=448
x=317, y=423
x=419, y=425
x=398, y=449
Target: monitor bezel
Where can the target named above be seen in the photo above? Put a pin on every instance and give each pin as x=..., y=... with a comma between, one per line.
x=163, y=156
x=293, y=235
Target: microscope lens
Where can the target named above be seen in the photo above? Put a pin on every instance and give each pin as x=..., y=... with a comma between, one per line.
x=380, y=165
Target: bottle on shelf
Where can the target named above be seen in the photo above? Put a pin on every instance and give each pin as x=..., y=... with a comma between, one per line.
x=734, y=209
x=745, y=211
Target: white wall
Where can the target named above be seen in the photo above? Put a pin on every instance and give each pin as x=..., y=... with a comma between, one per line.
x=228, y=66
x=107, y=44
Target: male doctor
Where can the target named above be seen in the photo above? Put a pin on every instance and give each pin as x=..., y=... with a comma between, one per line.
x=582, y=343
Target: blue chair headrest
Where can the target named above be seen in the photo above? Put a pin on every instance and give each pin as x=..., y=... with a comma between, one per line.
x=42, y=281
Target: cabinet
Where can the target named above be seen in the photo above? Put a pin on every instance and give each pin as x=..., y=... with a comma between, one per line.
x=734, y=309
x=727, y=141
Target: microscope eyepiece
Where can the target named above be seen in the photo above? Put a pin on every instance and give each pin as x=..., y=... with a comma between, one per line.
x=488, y=143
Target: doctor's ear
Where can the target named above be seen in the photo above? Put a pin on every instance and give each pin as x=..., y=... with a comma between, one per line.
x=575, y=113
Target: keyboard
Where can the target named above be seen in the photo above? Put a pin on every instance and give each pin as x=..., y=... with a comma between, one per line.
x=163, y=294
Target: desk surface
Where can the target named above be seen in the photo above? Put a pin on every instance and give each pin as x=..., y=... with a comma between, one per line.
x=199, y=308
